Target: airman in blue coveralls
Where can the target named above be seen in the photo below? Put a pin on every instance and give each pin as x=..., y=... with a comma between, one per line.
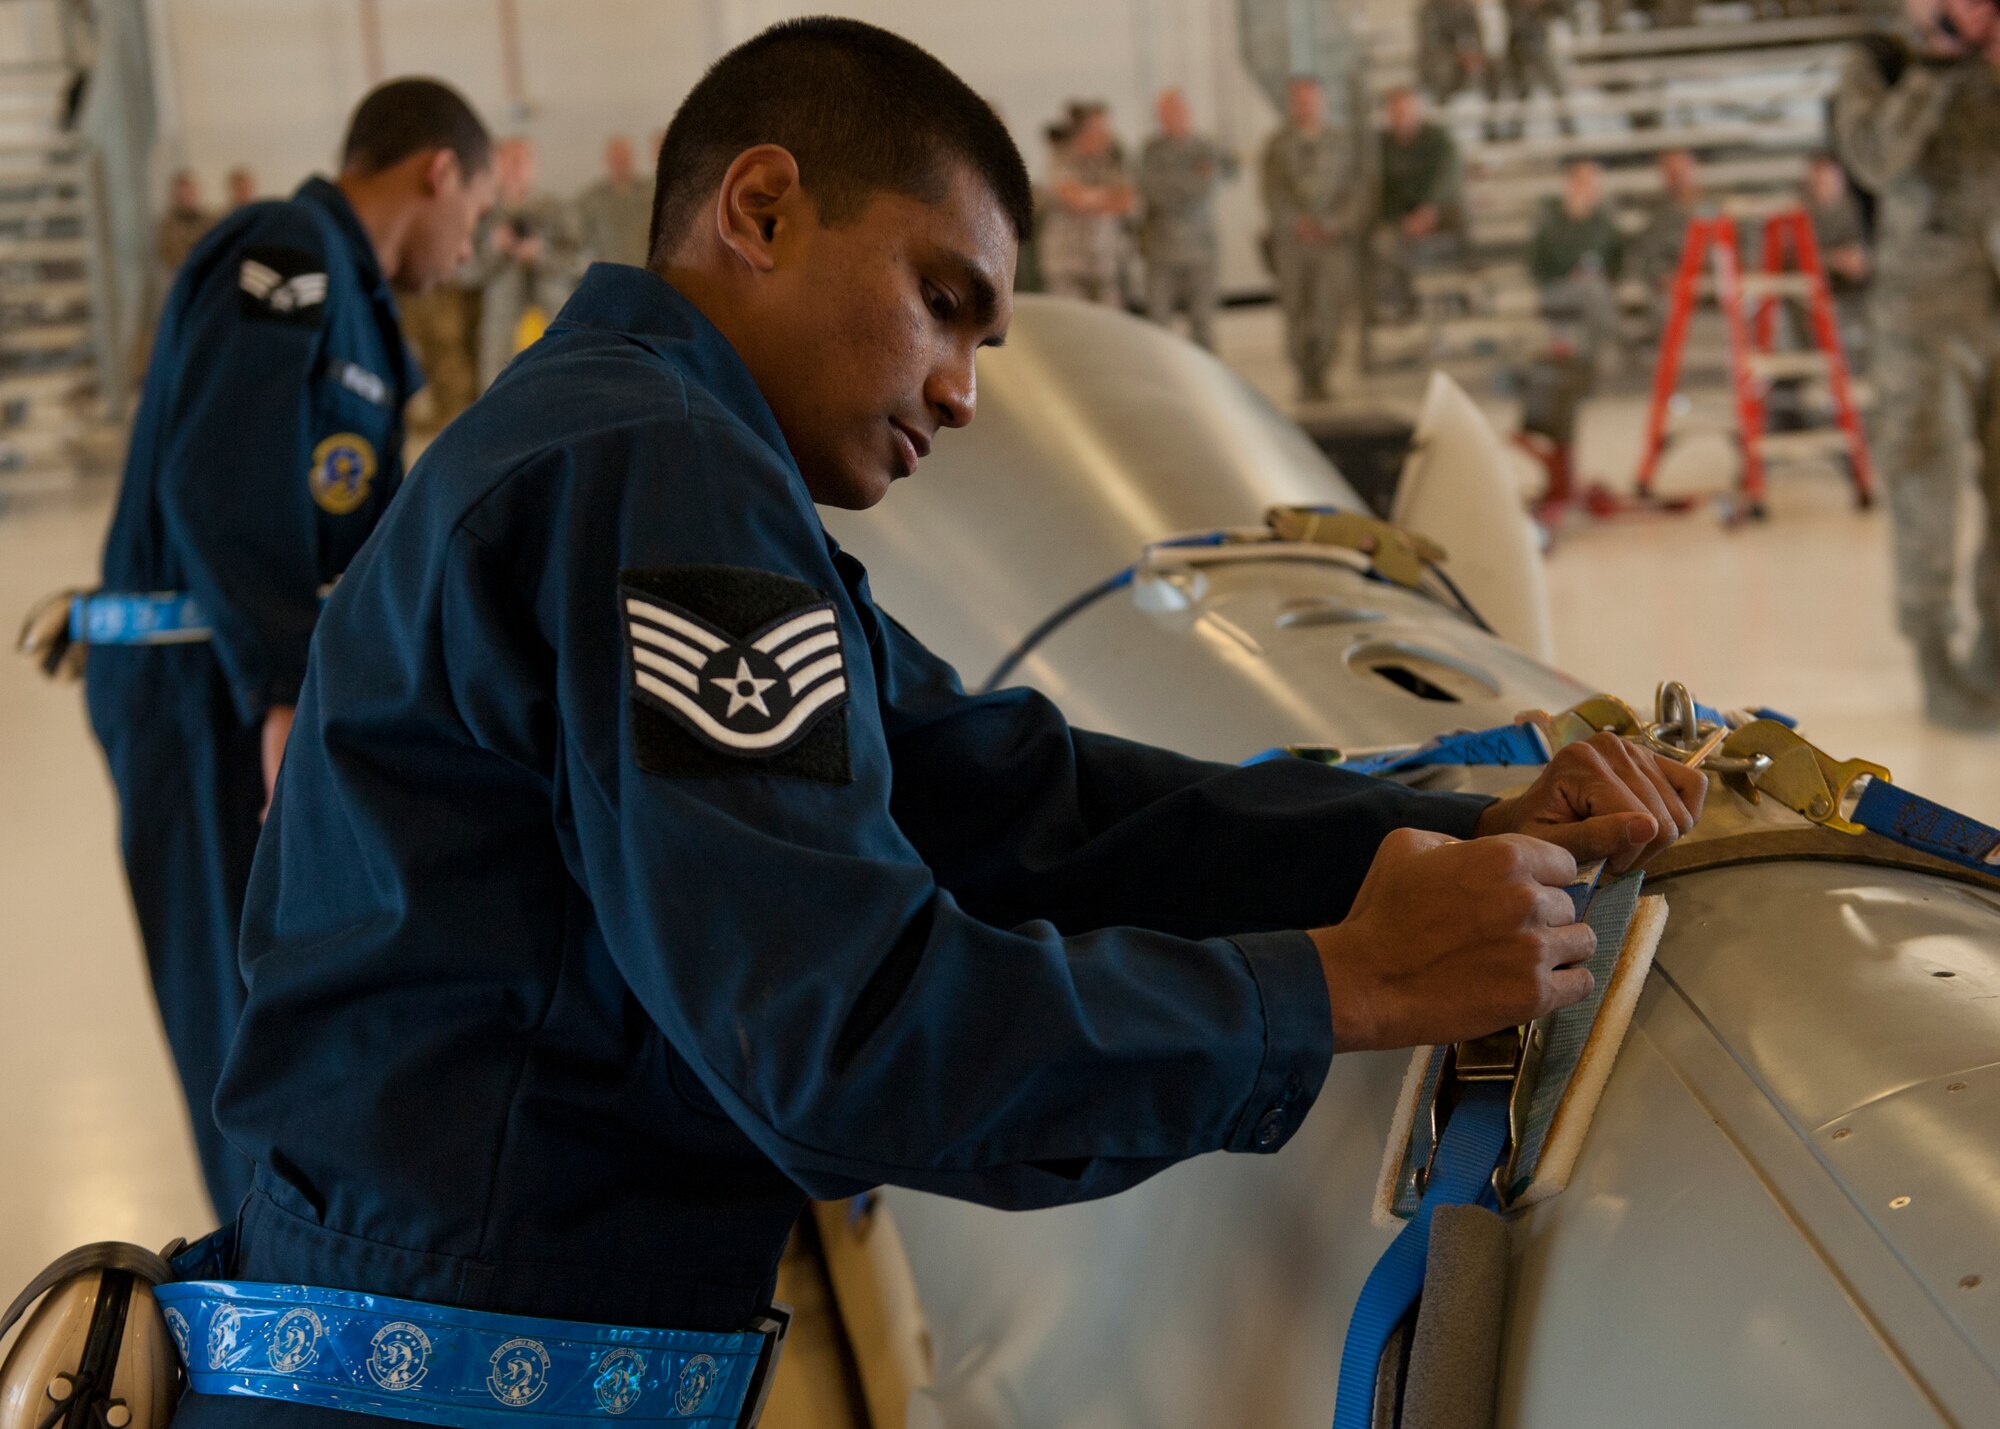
x=633, y=876
x=267, y=446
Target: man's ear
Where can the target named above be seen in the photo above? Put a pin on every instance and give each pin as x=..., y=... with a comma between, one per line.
x=440, y=169
x=760, y=202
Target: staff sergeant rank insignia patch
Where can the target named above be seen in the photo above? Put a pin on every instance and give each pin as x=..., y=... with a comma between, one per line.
x=734, y=671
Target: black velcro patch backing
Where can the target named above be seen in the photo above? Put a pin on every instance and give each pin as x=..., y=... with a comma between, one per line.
x=287, y=285
x=733, y=671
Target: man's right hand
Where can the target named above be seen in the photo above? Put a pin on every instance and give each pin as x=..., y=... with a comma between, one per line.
x=1450, y=940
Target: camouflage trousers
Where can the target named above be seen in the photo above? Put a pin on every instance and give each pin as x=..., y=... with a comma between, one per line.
x=1188, y=286
x=1937, y=404
x=1313, y=283
x=439, y=325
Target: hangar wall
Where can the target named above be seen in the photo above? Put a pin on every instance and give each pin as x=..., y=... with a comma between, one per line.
x=268, y=83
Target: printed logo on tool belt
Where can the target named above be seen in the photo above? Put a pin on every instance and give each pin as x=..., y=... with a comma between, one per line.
x=618, y=1381
x=519, y=1372
x=399, y=1356
x=746, y=666
x=698, y=1377
x=343, y=466
x=295, y=1340
x=177, y=1326
x=222, y=1336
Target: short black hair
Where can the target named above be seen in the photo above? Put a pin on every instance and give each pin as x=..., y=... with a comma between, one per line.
x=407, y=116
x=861, y=109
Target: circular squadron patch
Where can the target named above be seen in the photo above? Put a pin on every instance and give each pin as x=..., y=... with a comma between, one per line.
x=399, y=1356
x=519, y=1373
x=618, y=1382
x=222, y=1336
x=343, y=467
x=295, y=1340
x=698, y=1377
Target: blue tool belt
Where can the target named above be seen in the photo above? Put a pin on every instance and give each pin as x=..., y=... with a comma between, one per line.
x=434, y=1364
x=159, y=618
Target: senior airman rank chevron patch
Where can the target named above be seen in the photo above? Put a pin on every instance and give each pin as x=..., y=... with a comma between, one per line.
x=734, y=671
x=283, y=284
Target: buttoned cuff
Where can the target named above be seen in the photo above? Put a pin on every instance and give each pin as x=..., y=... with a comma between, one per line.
x=1298, y=1038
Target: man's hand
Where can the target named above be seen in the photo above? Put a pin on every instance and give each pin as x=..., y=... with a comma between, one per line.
x=1448, y=940
x=1420, y=221
x=1605, y=798
x=277, y=729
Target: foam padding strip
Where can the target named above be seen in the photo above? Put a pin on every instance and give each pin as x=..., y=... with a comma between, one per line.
x=1583, y=1043
x=1584, y=1088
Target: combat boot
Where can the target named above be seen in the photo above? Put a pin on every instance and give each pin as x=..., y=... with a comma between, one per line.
x=1950, y=699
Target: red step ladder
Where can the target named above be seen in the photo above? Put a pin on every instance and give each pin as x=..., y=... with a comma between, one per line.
x=1754, y=363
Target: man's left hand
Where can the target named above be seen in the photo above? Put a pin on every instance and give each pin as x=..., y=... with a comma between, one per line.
x=1607, y=798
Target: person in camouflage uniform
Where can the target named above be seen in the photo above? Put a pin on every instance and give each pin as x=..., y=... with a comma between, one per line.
x=1419, y=206
x=1451, y=51
x=1178, y=173
x=1082, y=235
x=1531, y=61
x=1318, y=203
x=615, y=214
x=1920, y=127
x=1576, y=258
x=529, y=258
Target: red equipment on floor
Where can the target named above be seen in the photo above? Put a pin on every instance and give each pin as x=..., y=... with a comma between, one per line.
x=1753, y=361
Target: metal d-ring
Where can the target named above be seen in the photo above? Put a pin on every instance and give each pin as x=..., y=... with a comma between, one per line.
x=1679, y=734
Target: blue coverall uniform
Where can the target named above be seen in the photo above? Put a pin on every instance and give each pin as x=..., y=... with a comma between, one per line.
x=268, y=444
x=591, y=935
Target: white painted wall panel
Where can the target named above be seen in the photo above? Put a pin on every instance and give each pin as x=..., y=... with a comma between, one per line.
x=270, y=82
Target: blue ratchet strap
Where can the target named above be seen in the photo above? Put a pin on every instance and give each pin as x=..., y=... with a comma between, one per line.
x=1504, y=744
x=161, y=618
x=435, y=1364
x=1916, y=822
x=1461, y=1175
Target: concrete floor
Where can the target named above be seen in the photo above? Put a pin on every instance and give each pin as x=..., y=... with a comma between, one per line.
x=1794, y=613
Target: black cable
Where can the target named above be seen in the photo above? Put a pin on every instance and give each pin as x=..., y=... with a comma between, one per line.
x=1465, y=605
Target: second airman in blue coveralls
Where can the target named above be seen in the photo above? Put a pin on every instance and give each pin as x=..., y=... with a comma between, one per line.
x=268, y=444
x=634, y=877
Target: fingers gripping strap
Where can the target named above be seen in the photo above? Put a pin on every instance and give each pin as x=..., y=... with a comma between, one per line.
x=1473, y=1140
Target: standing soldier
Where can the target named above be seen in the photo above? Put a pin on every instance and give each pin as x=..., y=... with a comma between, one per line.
x=1083, y=235
x=1318, y=203
x=1177, y=177
x=241, y=185
x=529, y=262
x=268, y=442
x=1656, y=252
x=181, y=227
x=1917, y=126
x=614, y=214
